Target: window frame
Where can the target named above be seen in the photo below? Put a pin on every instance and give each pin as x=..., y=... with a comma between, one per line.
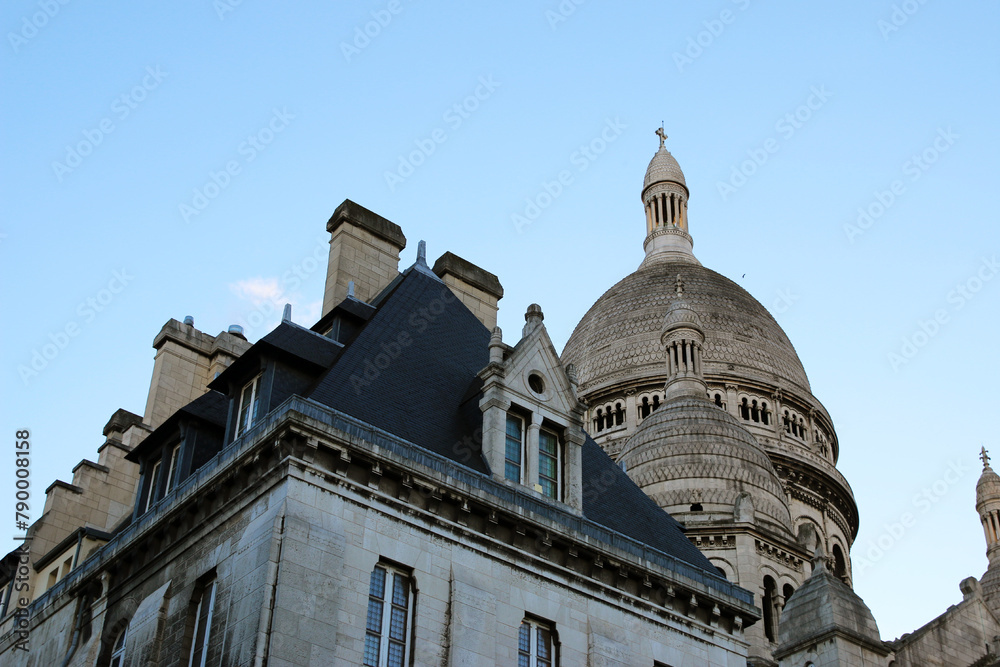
x=172, y=467
x=558, y=462
x=118, y=648
x=210, y=588
x=254, y=405
x=534, y=627
x=154, y=481
x=384, y=635
x=522, y=451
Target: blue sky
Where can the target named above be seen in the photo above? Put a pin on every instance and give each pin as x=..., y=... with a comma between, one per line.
x=172, y=159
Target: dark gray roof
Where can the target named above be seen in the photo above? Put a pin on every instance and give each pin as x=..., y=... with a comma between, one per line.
x=289, y=341
x=408, y=370
x=211, y=409
x=427, y=391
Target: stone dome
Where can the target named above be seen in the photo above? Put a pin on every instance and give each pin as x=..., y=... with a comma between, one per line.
x=663, y=167
x=618, y=339
x=988, y=487
x=824, y=605
x=691, y=451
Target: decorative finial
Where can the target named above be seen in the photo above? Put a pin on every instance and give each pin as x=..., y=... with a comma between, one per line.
x=350, y=288
x=984, y=455
x=422, y=252
x=680, y=285
x=661, y=134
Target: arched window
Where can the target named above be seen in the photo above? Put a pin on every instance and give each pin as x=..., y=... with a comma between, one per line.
x=644, y=408
x=619, y=415
x=656, y=401
x=767, y=606
x=839, y=563
x=745, y=410
x=764, y=415
x=599, y=422
x=786, y=422
x=609, y=417
x=718, y=400
x=787, y=591
x=754, y=412
x=118, y=652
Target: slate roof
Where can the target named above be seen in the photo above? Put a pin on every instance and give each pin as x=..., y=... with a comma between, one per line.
x=427, y=391
x=211, y=408
x=408, y=370
x=290, y=341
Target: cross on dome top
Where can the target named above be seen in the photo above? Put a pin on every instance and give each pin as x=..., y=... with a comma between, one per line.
x=984, y=455
x=661, y=134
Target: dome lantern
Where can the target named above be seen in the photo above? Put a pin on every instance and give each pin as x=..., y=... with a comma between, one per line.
x=664, y=197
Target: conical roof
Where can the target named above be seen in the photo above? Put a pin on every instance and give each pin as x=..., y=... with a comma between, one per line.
x=663, y=167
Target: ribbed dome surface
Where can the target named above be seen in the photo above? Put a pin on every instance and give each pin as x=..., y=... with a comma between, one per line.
x=988, y=487
x=663, y=167
x=619, y=337
x=689, y=445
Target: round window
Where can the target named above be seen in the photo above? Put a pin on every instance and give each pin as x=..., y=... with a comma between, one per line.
x=536, y=383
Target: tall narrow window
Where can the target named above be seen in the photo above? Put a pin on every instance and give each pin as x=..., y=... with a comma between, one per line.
x=154, y=482
x=534, y=645
x=514, y=449
x=549, y=464
x=249, y=406
x=203, y=626
x=389, y=609
x=118, y=652
x=172, y=468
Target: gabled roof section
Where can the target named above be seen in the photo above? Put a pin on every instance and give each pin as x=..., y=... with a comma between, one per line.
x=408, y=369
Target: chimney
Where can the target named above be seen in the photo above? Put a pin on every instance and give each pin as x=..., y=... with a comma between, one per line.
x=477, y=288
x=364, y=248
x=186, y=361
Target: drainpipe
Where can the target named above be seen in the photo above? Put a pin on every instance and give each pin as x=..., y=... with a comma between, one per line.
x=80, y=606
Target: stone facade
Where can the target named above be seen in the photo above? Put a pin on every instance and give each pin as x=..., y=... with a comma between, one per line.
x=263, y=545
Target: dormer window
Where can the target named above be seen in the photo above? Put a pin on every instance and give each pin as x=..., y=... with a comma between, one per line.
x=249, y=406
x=514, y=449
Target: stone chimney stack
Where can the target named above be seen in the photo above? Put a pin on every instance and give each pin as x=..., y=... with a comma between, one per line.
x=477, y=288
x=364, y=248
x=186, y=361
